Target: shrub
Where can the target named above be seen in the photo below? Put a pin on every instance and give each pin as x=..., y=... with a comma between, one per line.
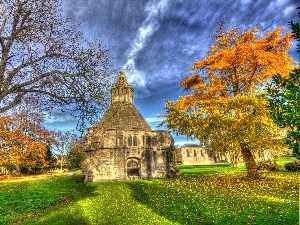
x=293, y=166
x=268, y=165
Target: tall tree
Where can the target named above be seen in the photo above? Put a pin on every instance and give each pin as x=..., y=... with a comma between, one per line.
x=224, y=107
x=284, y=97
x=43, y=55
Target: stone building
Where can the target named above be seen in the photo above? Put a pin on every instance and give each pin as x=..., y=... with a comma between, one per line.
x=123, y=146
x=196, y=155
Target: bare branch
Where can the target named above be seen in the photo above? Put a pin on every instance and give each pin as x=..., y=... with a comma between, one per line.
x=43, y=54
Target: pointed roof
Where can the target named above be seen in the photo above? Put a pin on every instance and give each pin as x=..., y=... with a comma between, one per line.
x=122, y=114
x=121, y=80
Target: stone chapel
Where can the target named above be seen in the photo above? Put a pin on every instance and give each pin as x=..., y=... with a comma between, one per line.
x=123, y=146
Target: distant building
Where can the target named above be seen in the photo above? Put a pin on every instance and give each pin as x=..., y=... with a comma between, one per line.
x=196, y=155
x=191, y=154
x=123, y=146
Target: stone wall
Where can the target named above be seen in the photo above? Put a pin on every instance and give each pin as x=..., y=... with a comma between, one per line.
x=196, y=155
x=134, y=154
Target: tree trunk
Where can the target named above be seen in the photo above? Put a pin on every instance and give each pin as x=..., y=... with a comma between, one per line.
x=18, y=169
x=249, y=160
x=234, y=159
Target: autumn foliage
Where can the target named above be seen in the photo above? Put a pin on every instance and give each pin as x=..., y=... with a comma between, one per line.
x=225, y=107
x=24, y=143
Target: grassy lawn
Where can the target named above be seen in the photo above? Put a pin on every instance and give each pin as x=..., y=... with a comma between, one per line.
x=218, y=194
x=283, y=160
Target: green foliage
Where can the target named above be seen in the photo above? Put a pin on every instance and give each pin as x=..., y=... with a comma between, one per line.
x=74, y=158
x=75, y=154
x=284, y=97
x=285, y=106
x=293, y=166
x=269, y=165
x=217, y=194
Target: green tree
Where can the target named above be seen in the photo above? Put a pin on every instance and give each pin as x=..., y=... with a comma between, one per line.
x=224, y=107
x=284, y=97
x=75, y=153
x=64, y=140
x=43, y=55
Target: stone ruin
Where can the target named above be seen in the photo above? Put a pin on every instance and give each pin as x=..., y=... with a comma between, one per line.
x=123, y=146
x=196, y=155
x=191, y=154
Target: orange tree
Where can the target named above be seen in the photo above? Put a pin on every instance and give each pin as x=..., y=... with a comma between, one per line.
x=224, y=107
x=24, y=143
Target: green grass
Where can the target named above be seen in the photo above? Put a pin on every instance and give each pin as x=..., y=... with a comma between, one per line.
x=283, y=160
x=218, y=194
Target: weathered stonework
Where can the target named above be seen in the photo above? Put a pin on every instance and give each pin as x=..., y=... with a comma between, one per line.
x=196, y=155
x=123, y=146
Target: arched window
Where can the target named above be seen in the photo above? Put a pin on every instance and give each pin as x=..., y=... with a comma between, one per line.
x=148, y=141
x=195, y=153
x=130, y=141
x=134, y=141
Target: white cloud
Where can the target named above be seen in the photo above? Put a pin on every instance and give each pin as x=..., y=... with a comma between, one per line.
x=154, y=123
x=288, y=10
x=246, y=1
x=181, y=143
x=149, y=26
x=154, y=120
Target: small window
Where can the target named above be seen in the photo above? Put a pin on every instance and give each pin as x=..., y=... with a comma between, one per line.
x=195, y=153
x=130, y=141
x=148, y=140
x=134, y=141
x=154, y=141
x=187, y=153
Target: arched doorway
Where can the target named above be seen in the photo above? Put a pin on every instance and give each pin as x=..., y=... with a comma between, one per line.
x=133, y=169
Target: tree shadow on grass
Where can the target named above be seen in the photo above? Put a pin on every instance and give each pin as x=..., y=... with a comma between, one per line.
x=173, y=205
x=69, y=190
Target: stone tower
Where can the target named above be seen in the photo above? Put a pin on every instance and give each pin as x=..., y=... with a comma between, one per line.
x=123, y=146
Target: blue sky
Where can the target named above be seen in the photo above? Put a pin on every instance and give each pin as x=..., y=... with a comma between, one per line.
x=155, y=42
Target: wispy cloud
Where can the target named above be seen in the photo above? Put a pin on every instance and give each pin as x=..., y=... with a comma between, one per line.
x=154, y=123
x=154, y=9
